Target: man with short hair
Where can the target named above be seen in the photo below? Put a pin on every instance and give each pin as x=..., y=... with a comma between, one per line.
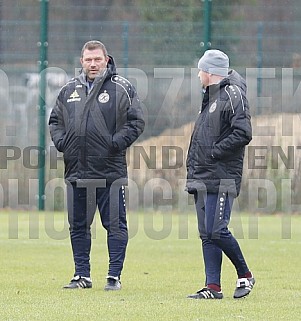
x=214, y=169
x=97, y=116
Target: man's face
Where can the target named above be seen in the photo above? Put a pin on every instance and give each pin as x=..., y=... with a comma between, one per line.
x=93, y=62
x=204, y=78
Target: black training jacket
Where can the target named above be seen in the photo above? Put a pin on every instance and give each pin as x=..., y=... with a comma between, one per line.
x=93, y=129
x=221, y=132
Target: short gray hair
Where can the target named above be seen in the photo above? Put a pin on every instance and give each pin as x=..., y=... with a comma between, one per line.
x=94, y=44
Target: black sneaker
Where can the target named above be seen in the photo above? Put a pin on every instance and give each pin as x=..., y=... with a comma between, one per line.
x=113, y=284
x=206, y=293
x=79, y=282
x=243, y=287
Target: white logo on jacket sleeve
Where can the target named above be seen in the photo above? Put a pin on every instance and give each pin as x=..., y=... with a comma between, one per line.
x=212, y=107
x=104, y=97
x=74, y=97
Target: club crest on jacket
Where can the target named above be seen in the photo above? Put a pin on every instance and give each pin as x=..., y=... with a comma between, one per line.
x=104, y=97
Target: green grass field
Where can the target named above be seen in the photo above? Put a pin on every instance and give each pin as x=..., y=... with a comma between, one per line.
x=163, y=265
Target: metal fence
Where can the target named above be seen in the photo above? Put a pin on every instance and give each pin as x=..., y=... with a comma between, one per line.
x=156, y=46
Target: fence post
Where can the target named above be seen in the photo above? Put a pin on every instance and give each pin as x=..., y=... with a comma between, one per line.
x=43, y=63
x=259, y=64
x=125, y=36
x=207, y=24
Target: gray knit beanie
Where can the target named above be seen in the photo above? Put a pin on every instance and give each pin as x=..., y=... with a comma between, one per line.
x=214, y=62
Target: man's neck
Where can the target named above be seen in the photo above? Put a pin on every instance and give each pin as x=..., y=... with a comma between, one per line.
x=214, y=80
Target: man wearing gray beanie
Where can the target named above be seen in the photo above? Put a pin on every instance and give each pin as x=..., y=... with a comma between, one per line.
x=214, y=62
x=214, y=170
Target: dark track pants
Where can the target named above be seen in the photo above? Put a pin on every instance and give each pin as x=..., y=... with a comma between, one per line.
x=213, y=213
x=81, y=210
